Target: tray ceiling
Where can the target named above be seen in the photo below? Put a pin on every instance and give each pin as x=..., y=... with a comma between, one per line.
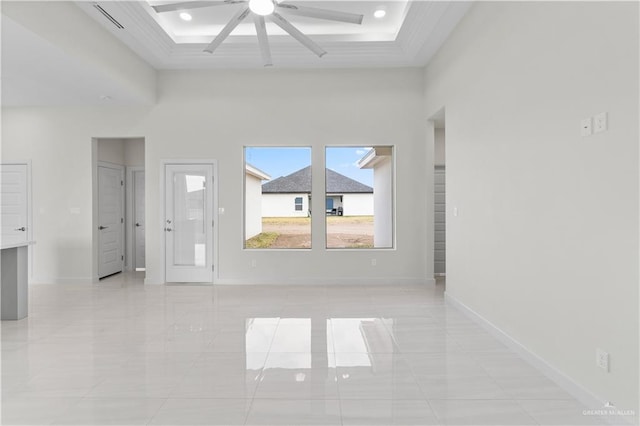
x=408, y=35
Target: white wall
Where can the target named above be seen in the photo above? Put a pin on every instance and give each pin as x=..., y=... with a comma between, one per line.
x=133, y=152
x=545, y=245
x=383, y=203
x=283, y=205
x=111, y=151
x=204, y=115
x=91, y=46
x=126, y=152
x=357, y=204
x=253, y=206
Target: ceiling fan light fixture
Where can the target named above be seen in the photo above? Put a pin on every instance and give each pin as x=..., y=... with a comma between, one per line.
x=262, y=7
x=259, y=9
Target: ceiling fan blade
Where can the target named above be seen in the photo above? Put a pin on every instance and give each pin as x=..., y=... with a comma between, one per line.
x=171, y=7
x=233, y=23
x=295, y=33
x=312, y=12
x=263, y=41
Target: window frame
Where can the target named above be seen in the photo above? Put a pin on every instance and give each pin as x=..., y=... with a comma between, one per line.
x=244, y=197
x=393, y=191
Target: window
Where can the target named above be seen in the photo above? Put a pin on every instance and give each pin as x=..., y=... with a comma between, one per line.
x=359, y=197
x=273, y=178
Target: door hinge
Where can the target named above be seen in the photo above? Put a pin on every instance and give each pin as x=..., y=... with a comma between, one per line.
x=122, y=257
x=121, y=183
x=121, y=220
x=212, y=267
x=213, y=223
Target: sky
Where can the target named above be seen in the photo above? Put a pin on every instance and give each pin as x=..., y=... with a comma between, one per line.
x=278, y=162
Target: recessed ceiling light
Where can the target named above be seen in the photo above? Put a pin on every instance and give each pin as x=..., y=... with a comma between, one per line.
x=380, y=13
x=185, y=16
x=105, y=98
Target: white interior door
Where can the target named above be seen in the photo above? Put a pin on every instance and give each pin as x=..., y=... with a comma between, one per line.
x=138, y=217
x=188, y=222
x=14, y=203
x=111, y=220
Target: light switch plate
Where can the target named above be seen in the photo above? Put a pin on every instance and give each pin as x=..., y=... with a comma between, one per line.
x=600, y=123
x=585, y=127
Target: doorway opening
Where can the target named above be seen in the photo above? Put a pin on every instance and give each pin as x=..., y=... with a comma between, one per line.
x=118, y=206
x=439, y=197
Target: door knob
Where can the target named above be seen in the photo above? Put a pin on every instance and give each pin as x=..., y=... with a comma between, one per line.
x=20, y=229
x=137, y=224
x=102, y=227
x=168, y=229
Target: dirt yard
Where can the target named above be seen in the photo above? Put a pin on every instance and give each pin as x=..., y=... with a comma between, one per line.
x=342, y=231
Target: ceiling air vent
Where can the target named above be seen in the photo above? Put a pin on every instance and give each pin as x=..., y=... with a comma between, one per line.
x=108, y=16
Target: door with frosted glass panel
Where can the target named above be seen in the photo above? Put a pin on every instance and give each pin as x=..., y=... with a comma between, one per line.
x=188, y=222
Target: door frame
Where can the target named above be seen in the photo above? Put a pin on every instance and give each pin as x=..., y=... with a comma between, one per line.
x=97, y=212
x=129, y=219
x=163, y=203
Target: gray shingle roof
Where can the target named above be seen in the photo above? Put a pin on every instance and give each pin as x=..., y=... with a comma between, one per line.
x=300, y=182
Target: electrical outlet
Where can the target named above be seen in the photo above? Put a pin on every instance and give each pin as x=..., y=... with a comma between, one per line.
x=602, y=359
x=254, y=263
x=600, y=122
x=374, y=262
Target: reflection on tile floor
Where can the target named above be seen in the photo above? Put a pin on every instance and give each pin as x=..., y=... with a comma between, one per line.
x=119, y=352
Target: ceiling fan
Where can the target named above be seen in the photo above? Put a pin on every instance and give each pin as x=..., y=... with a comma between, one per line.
x=260, y=9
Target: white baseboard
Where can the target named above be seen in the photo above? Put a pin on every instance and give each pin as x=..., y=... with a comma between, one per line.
x=583, y=395
x=327, y=281
x=73, y=280
x=268, y=281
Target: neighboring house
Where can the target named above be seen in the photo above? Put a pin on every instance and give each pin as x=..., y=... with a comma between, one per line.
x=290, y=196
x=253, y=200
x=380, y=160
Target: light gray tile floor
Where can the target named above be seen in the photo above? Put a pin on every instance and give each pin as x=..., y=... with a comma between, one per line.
x=120, y=352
